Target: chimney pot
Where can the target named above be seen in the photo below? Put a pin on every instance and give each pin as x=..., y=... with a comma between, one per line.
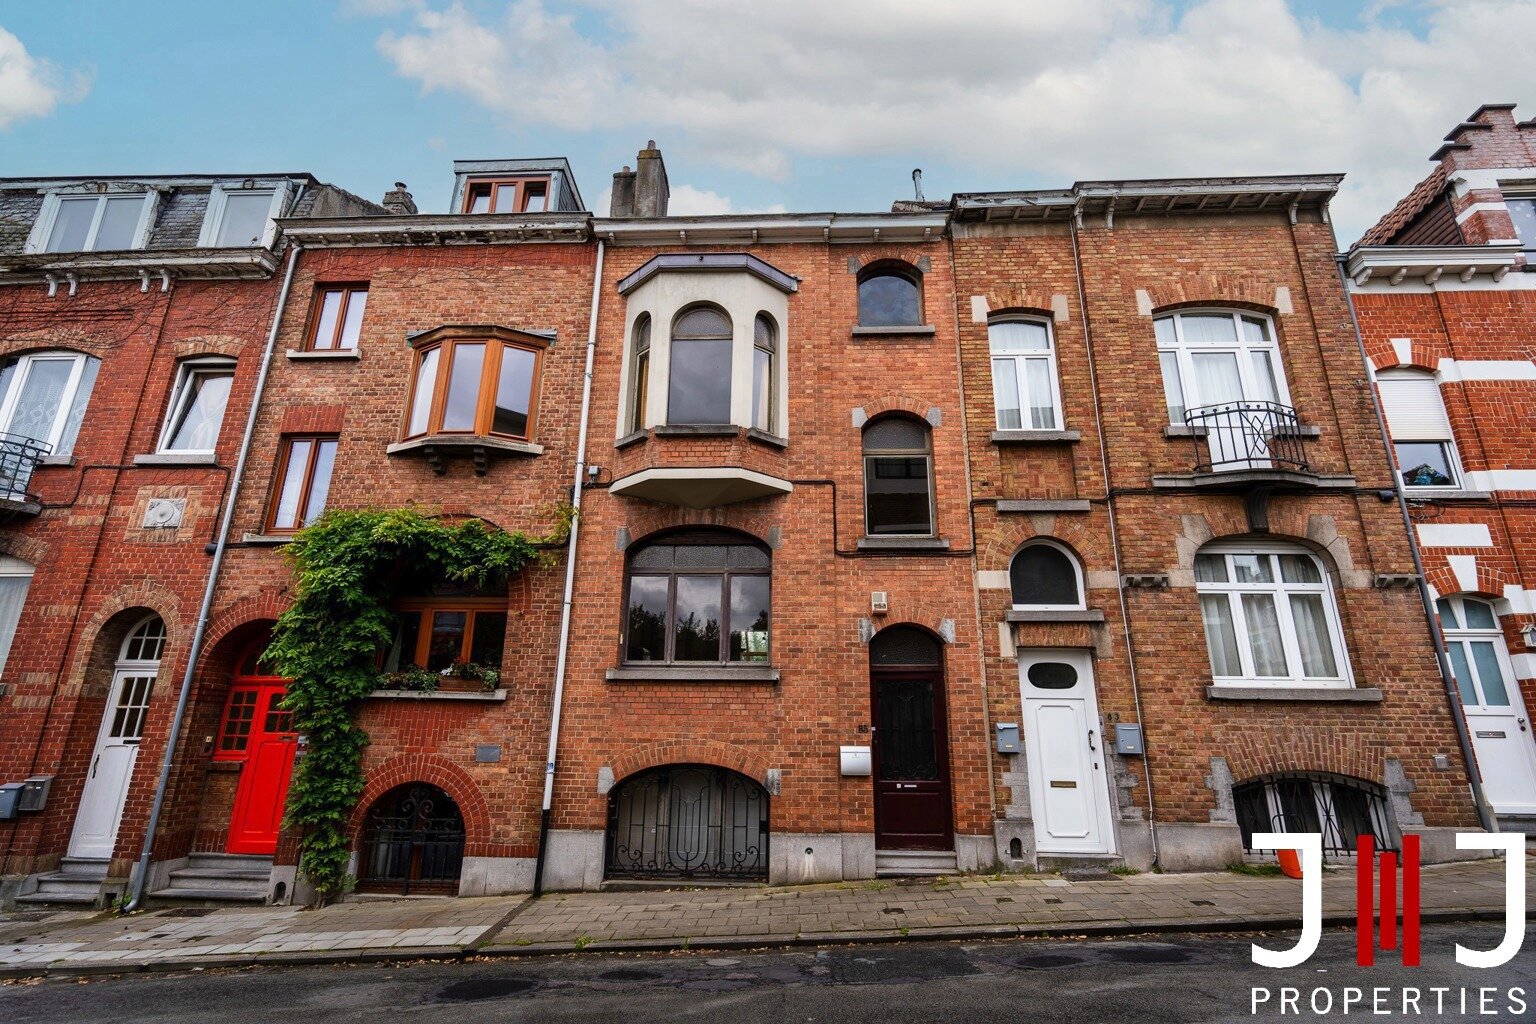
x=399, y=201
x=651, y=188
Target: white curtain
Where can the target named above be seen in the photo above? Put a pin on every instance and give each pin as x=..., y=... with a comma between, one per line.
x=1216, y=378
x=13, y=594
x=1264, y=635
x=1220, y=635
x=1313, y=637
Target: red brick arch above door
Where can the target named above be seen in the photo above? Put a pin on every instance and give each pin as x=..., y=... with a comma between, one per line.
x=686, y=751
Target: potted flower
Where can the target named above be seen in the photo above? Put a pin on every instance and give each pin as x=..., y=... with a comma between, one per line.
x=468, y=677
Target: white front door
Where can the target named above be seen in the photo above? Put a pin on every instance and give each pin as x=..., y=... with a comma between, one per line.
x=1490, y=700
x=117, y=748
x=1068, y=781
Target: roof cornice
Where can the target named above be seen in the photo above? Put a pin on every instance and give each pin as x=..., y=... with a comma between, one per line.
x=1106, y=199
x=1428, y=263
x=438, y=229
x=149, y=267
x=709, y=262
x=754, y=229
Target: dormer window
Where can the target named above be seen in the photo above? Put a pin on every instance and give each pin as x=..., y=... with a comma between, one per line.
x=94, y=222
x=507, y=195
x=240, y=217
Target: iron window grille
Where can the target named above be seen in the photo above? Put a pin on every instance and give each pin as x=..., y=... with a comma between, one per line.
x=688, y=821
x=1338, y=807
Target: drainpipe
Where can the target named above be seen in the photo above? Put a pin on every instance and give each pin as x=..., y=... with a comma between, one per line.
x=1114, y=542
x=570, y=580
x=141, y=872
x=1452, y=694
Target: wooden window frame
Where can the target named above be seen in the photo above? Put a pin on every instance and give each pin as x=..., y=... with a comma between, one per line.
x=890, y=268
x=490, y=376
x=425, y=608
x=311, y=330
x=869, y=455
x=725, y=575
x=520, y=199
x=280, y=477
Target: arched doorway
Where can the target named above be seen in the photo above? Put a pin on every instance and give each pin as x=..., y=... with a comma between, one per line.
x=117, y=741
x=911, y=748
x=688, y=821
x=413, y=842
x=259, y=734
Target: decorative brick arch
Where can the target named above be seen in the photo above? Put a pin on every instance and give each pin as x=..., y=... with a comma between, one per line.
x=1384, y=357
x=884, y=405
x=691, y=751
x=1491, y=581
x=1245, y=290
x=646, y=523
x=147, y=596
x=209, y=345
x=434, y=770
x=1019, y=299
x=1298, y=748
x=1071, y=532
x=267, y=605
x=28, y=549
x=922, y=614
x=914, y=258
x=72, y=339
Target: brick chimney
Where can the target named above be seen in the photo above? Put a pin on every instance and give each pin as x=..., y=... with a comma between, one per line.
x=398, y=201
x=642, y=192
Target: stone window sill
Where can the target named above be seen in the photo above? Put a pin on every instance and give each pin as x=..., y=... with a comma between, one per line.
x=267, y=539
x=766, y=439
x=323, y=355
x=903, y=543
x=1012, y=437
x=438, y=447
x=1055, y=615
x=1335, y=694
x=694, y=674
x=1443, y=494
x=695, y=430
x=487, y=697
x=630, y=438
x=176, y=459
x=899, y=331
x=55, y=460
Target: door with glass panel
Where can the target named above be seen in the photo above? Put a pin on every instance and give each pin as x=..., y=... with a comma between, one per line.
x=1491, y=701
x=117, y=742
x=1068, y=781
x=1221, y=373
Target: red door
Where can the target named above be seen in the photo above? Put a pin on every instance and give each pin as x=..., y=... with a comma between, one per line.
x=911, y=760
x=259, y=734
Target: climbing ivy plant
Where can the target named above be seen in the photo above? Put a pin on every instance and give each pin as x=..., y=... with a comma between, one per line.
x=348, y=566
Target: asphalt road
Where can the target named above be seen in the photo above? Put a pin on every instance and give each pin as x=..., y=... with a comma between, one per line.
x=1140, y=980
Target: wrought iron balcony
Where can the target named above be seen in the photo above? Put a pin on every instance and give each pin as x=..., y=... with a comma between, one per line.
x=1247, y=436
x=19, y=456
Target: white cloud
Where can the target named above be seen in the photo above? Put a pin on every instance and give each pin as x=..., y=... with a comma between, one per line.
x=687, y=201
x=32, y=87
x=1036, y=88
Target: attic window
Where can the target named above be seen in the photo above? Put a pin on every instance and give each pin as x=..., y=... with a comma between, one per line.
x=507, y=195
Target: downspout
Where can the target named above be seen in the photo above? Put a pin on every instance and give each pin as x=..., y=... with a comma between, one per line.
x=570, y=581
x=1452, y=695
x=200, y=634
x=1114, y=540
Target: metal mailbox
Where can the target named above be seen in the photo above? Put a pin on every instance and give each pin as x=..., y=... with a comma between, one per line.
x=1008, y=738
x=856, y=761
x=1128, y=738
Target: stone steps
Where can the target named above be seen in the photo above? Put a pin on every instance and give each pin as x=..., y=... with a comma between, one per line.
x=218, y=878
x=78, y=882
x=912, y=863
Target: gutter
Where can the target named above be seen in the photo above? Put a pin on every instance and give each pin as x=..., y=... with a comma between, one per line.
x=140, y=877
x=1452, y=694
x=570, y=581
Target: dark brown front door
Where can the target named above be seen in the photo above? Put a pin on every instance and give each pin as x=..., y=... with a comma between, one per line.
x=911, y=760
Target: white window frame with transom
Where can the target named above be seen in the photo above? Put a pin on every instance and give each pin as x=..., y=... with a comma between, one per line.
x=218, y=203
x=61, y=434
x=191, y=376
x=1254, y=655
x=1012, y=362
x=1177, y=351
x=38, y=241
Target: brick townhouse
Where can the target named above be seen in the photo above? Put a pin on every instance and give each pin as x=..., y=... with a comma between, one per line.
x=132, y=317
x=1444, y=288
x=980, y=534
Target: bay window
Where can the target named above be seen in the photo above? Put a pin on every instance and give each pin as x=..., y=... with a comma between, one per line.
x=475, y=385
x=1270, y=618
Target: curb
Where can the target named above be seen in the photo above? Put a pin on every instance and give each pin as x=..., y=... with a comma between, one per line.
x=776, y=940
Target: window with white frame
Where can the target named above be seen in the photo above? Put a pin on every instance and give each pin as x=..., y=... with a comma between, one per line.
x=1420, y=430
x=1522, y=210
x=197, y=406
x=92, y=222
x=1025, y=390
x=15, y=578
x=765, y=337
x=1270, y=618
x=1216, y=356
x=239, y=218
x=43, y=396
x=1045, y=575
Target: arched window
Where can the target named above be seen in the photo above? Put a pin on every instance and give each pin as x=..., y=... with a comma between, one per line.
x=1216, y=356
x=1270, y=618
x=699, y=381
x=1024, y=386
x=15, y=579
x=1045, y=575
x=699, y=597
x=43, y=396
x=905, y=646
x=1420, y=429
x=196, y=411
x=898, y=478
x=890, y=295
x=1479, y=659
x=413, y=842
x=1338, y=807
x=688, y=821
x=765, y=344
x=640, y=373
x=145, y=642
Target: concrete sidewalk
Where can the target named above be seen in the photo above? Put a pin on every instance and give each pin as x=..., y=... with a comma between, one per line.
x=958, y=907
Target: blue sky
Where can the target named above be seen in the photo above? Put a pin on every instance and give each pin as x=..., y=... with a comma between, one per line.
x=799, y=105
